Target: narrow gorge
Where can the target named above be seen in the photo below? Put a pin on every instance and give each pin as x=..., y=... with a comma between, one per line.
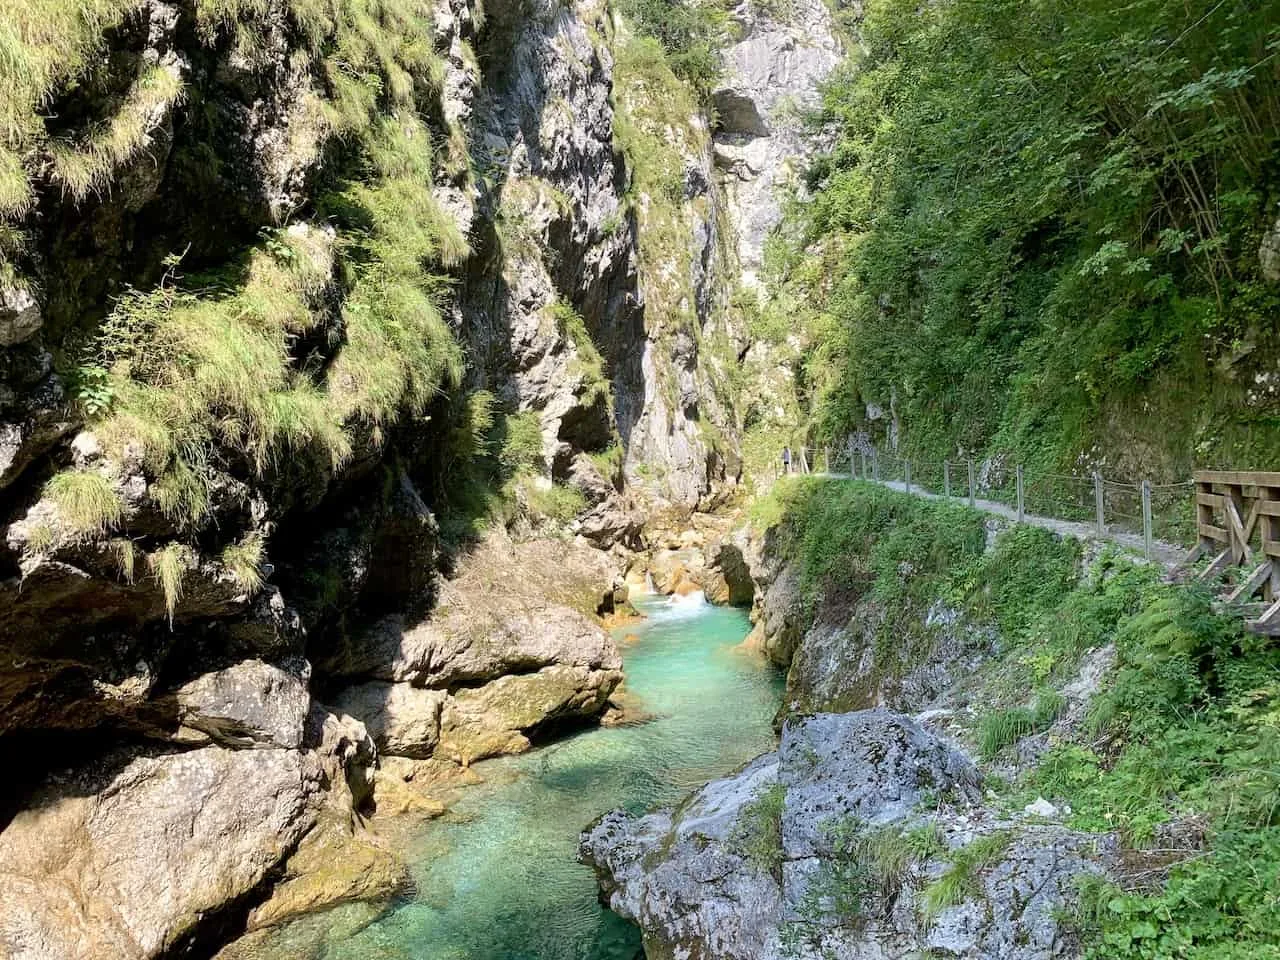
x=350, y=354
x=400, y=558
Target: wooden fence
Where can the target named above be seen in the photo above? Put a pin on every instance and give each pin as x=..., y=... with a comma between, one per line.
x=1238, y=523
x=1231, y=517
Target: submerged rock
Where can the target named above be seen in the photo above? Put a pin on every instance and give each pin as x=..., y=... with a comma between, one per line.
x=751, y=867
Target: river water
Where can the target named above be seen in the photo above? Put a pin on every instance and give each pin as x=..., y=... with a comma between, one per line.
x=498, y=879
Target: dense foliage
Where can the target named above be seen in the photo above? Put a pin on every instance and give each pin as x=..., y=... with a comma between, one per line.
x=1040, y=228
x=1179, y=752
x=691, y=35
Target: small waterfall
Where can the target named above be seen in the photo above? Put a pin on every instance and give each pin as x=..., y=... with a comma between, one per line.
x=649, y=585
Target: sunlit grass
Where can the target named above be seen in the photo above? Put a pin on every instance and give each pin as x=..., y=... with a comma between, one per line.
x=88, y=503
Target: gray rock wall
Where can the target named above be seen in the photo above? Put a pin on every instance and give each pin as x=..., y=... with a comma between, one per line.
x=700, y=882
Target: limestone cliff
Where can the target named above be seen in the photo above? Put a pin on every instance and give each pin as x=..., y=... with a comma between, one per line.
x=335, y=339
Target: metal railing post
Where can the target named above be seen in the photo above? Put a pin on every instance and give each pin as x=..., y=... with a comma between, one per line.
x=1018, y=479
x=972, y=485
x=1097, y=502
x=946, y=478
x=1146, y=518
x=863, y=455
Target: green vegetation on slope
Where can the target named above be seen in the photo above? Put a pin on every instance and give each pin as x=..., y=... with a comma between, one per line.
x=1179, y=753
x=320, y=336
x=691, y=34
x=1041, y=227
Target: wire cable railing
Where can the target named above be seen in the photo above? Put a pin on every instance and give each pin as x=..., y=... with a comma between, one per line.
x=1157, y=518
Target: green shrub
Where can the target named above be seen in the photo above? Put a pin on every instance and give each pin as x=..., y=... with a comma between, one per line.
x=1003, y=310
x=556, y=502
x=692, y=34
x=520, y=438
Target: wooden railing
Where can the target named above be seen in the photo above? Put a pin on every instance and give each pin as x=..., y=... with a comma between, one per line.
x=1238, y=522
x=1235, y=523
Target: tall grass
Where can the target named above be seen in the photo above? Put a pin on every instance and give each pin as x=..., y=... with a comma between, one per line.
x=85, y=165
x=44, y=44
x=88, y=504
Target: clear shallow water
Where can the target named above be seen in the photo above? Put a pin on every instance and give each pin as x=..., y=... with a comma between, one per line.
x=500, y=881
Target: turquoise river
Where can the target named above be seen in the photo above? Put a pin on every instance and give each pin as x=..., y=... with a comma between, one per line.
x=498, y=879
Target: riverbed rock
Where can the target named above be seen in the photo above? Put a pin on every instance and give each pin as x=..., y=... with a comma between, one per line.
x=124, y=859
x=403, y=720
x=502, y=716
x=336, y=862
x=692, y=877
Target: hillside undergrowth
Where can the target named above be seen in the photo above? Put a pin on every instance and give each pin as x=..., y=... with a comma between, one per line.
x=1178, y=752
x=1041, y=232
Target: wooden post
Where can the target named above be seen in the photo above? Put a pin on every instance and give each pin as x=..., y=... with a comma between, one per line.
x=863, y=455
x=875, y=466
x=1097, y=503
x=946, y=479
x=1271, y=534
x=906, y=473
x=1146, y=518
x=1018, y=482
x=1204, y=516
x=972, y=485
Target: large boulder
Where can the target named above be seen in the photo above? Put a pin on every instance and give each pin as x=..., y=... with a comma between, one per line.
x=248, y=704
x=502, y=716
x=681, y=878
x=125, y=860
x=752, y=867
x=403, y=720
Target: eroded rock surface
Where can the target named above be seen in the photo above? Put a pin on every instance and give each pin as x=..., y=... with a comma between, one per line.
x=696, y=882
x=124, y=861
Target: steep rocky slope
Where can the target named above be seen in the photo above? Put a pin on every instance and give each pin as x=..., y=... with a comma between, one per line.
x=324, y=328
x=995, y=742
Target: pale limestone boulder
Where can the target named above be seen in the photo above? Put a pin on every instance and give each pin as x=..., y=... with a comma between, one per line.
x=248, y=704
x=500, y=717
x=121, y=862
x=403, y=720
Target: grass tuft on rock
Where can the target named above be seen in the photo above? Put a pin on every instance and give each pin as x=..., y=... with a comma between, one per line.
x=962, y=880
x=168, y=566
x=88, y=503
x=243, y=560
x=758, y=833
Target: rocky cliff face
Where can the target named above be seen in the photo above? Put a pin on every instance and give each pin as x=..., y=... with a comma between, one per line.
x=773, y=75
x=281, y=289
